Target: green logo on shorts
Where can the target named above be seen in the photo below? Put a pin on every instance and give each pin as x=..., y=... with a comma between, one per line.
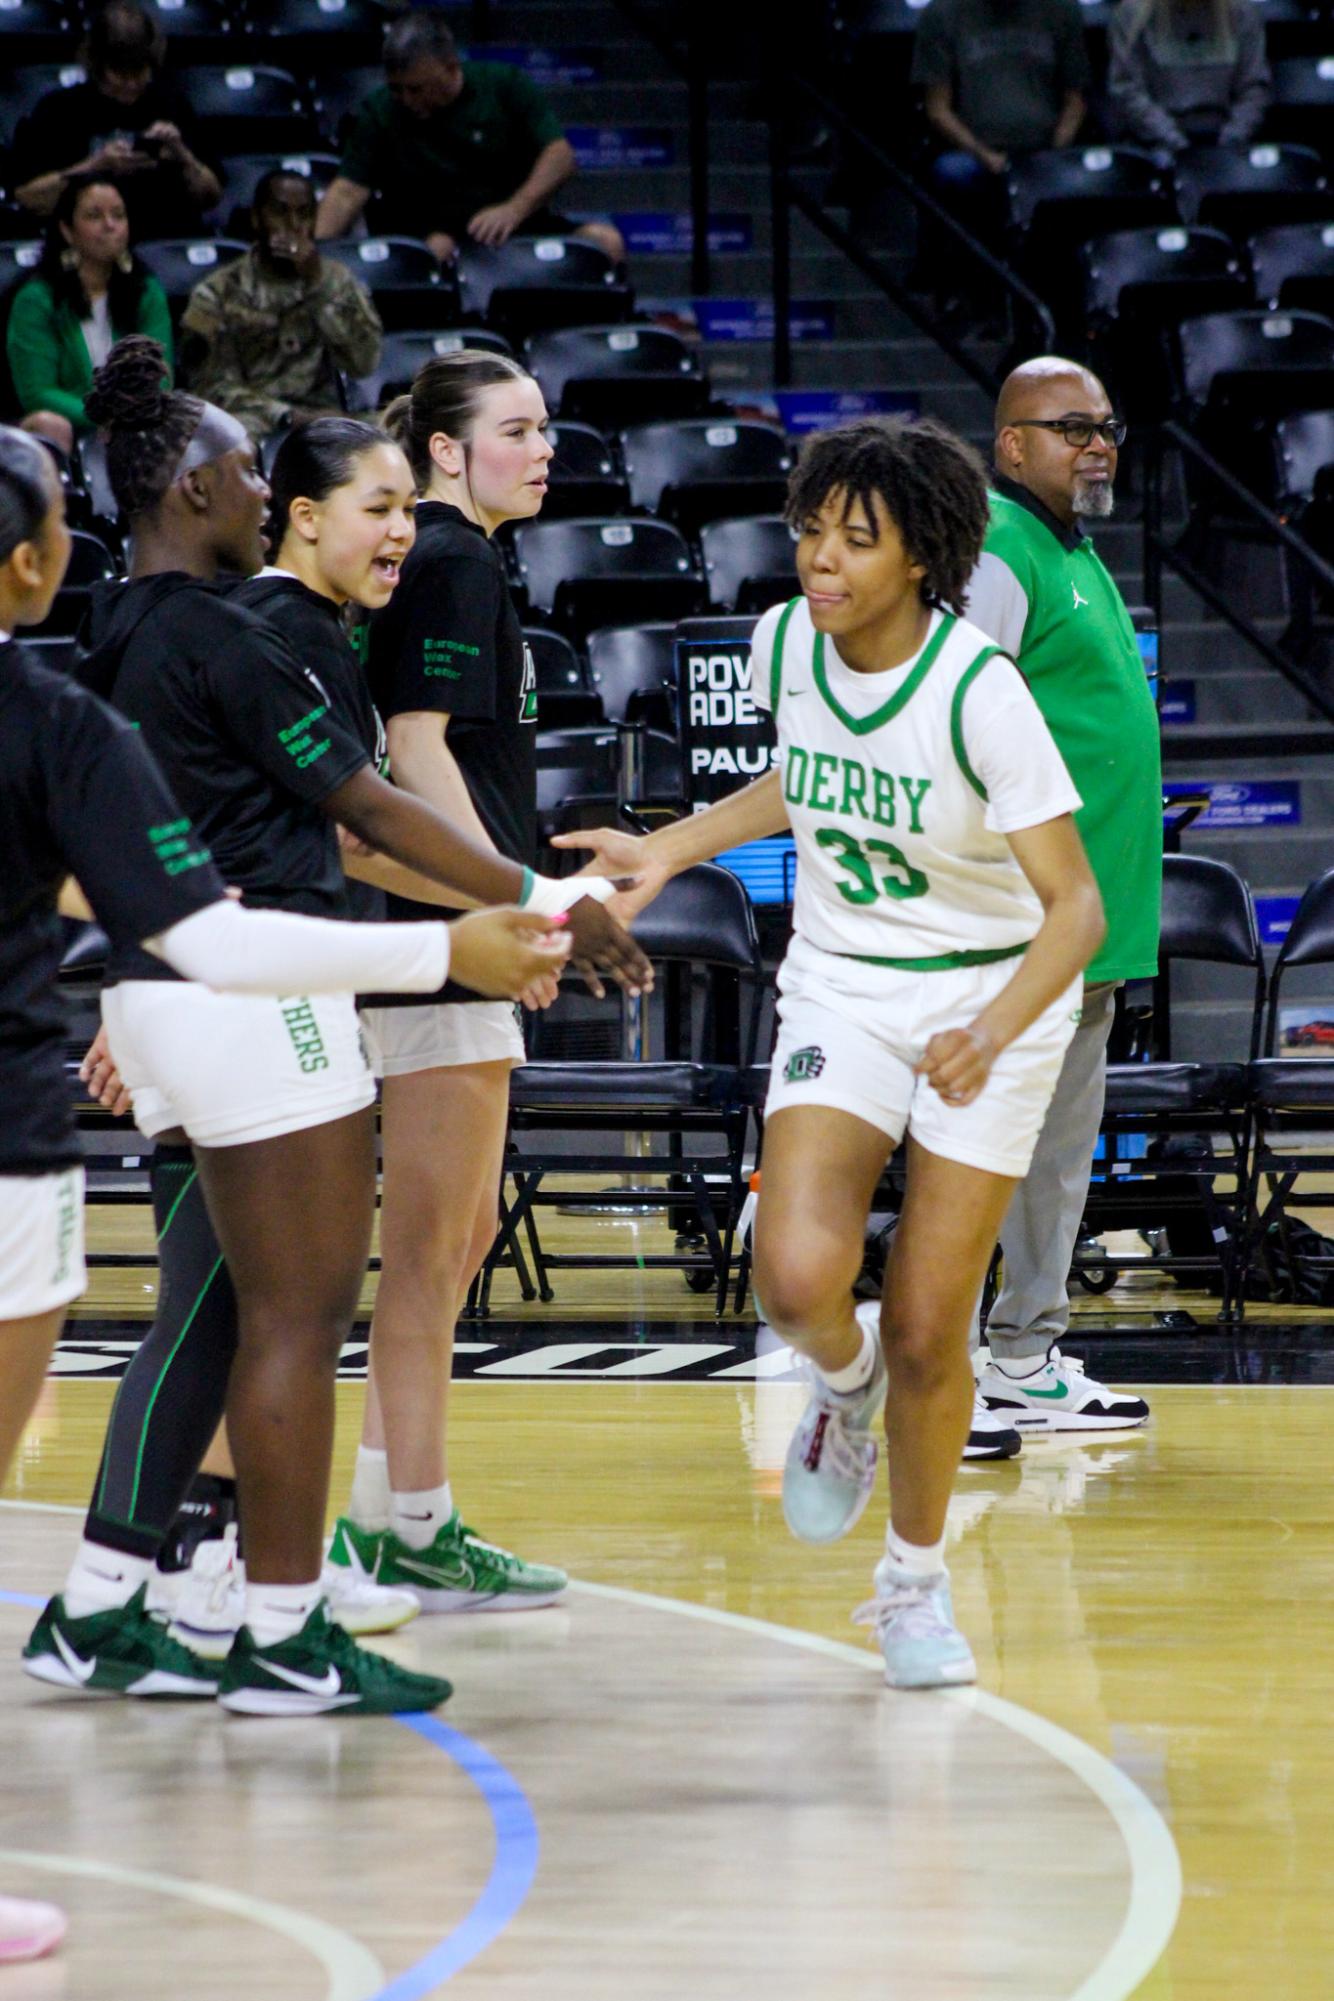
x=304, y=1030
x=803, y=1066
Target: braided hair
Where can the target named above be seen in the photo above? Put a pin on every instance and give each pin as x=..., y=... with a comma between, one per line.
x=932, y=485
x=147, y=426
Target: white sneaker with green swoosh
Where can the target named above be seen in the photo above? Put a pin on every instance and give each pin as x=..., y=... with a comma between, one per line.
x=1056, y=1395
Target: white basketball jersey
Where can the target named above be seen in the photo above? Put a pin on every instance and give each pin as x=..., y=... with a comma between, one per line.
x=901, y=787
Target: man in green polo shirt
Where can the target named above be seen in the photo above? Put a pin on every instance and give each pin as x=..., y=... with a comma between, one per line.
x=458, y=150
x=1043, y=593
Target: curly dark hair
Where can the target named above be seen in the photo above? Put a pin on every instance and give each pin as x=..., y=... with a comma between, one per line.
x=147, y=425
x=932, y=485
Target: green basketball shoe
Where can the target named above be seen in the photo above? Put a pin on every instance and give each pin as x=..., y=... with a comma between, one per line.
x=459, y=1572
x=355, y=1549
x=319, y=1669
x=126, y=1651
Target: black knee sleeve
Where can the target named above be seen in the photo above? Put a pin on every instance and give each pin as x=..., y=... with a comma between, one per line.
x=172, y=1396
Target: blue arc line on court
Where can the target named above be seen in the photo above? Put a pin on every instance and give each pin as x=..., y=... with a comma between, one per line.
x=512, y=1871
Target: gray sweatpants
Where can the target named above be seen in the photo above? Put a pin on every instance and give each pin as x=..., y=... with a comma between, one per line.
x=1042, y=1223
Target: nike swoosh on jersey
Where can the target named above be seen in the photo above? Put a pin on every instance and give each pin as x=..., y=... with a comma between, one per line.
x=81, y=1669
x=328, y=1684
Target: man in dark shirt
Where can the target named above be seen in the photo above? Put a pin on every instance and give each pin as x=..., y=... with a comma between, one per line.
x=1000, y=77
x=124, y=122
x=462, y=151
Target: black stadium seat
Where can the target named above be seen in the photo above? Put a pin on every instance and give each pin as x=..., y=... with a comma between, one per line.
x=566, y=695
x=702, y=468
x=180, y=263
x=18, y=261
x=1302, y=110
x=1304, y=450
x=26, y=85
x=90, y=562
x=409, y=286
x=1257, y=364
x=533, y=283
x=617, y=375
x=198, y=31
x=633, y=673
x=244, y=106
x=583, y=477
x=35, y=31
x=405, y=351
x=1293, y=265
x=317, y=33
x=243, y=172
x=337, y=95
x=749, y=564
x=1138, y=283
x=585, y=573
x=1240, y=189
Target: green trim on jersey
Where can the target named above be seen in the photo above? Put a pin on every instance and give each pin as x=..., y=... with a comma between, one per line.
x=863, y=725
x=945, y=962
x=776, y=663
x=966, y=680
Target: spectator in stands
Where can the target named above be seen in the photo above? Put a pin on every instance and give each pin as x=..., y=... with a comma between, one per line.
x=458, y=150
x=124, y=121
x=88, y=291
x=268, y=334
x=1187, y=73
x=1000, y=77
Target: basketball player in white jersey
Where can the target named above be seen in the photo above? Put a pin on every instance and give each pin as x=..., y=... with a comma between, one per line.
x=944, y=913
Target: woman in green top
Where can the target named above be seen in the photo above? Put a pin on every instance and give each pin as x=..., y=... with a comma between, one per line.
x=88, y=290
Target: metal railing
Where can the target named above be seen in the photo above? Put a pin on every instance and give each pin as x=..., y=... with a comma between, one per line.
x=1307, y=572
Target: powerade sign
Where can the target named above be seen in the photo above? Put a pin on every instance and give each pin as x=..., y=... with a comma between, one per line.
x=753, y=319
x=726, y=739
x=1273, y=802
x=668, y=233
x=805, y=410
x=622, y=145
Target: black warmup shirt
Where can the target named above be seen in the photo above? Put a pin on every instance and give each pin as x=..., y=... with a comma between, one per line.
x=79, y=795
x=313, y=628
x=70, y=124
x=243, y=730
x=450, y=640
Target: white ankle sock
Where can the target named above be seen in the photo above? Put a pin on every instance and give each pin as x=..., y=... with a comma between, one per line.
x=858, y=1373
x=368, y=1504
x=102, y=1578
x=914, y=1558
x=417, y=1519
x=1016, y=1367
x=276, y=1612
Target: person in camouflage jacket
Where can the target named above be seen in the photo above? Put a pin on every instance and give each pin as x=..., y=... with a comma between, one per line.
x=264, y=337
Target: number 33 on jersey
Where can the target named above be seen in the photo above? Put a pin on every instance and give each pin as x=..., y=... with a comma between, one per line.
x=900, y=788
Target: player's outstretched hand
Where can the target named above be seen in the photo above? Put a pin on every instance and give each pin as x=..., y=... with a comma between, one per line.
x=601, y=944
x=502, y=953
x=617, y=854
x=98, y=1071
x=957, y=1063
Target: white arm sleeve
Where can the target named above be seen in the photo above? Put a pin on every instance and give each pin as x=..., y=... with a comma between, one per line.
x=275, y=952
x=996, y=603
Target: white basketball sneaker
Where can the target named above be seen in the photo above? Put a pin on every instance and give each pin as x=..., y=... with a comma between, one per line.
x=1056, y=1395
x=208, y=1603
x=830, y=1467
x=914, y=1624
x=990, y=1434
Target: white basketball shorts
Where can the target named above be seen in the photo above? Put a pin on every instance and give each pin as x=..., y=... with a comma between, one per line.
x=851, y=1036
x=442, y=1035
x=235, y=1068
x=41, y=1242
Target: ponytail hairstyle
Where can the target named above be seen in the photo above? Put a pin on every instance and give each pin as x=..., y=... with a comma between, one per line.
x=153, y=433
x=25, y=494
x=313, y=460
x=445, y=396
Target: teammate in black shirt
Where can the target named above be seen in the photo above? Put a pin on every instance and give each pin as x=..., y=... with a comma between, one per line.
x=275, y=1097
x=452, y=676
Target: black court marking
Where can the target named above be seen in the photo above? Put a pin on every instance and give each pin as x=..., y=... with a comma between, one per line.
x=698, y=1351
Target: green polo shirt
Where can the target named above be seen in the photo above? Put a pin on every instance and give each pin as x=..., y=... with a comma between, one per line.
x=440, y=170
x=1079, y=655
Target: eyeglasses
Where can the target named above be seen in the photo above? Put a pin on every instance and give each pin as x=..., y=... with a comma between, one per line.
x=1077, y=431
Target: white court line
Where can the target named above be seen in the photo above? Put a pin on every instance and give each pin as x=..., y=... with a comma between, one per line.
x=1155, y=1867
x=44, y=1507
x=354, y=1973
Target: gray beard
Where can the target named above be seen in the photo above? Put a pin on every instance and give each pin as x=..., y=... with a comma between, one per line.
x=1093, y=503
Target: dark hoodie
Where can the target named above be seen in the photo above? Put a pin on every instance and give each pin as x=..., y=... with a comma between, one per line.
x=242, y=730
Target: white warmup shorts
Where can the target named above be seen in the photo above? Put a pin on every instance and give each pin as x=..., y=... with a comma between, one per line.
x=235, y=1068
x=442, y=1035
x=851, y=1036
x=41, y=1242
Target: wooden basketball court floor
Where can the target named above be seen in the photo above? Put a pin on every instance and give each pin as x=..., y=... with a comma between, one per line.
x=689, y=1780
